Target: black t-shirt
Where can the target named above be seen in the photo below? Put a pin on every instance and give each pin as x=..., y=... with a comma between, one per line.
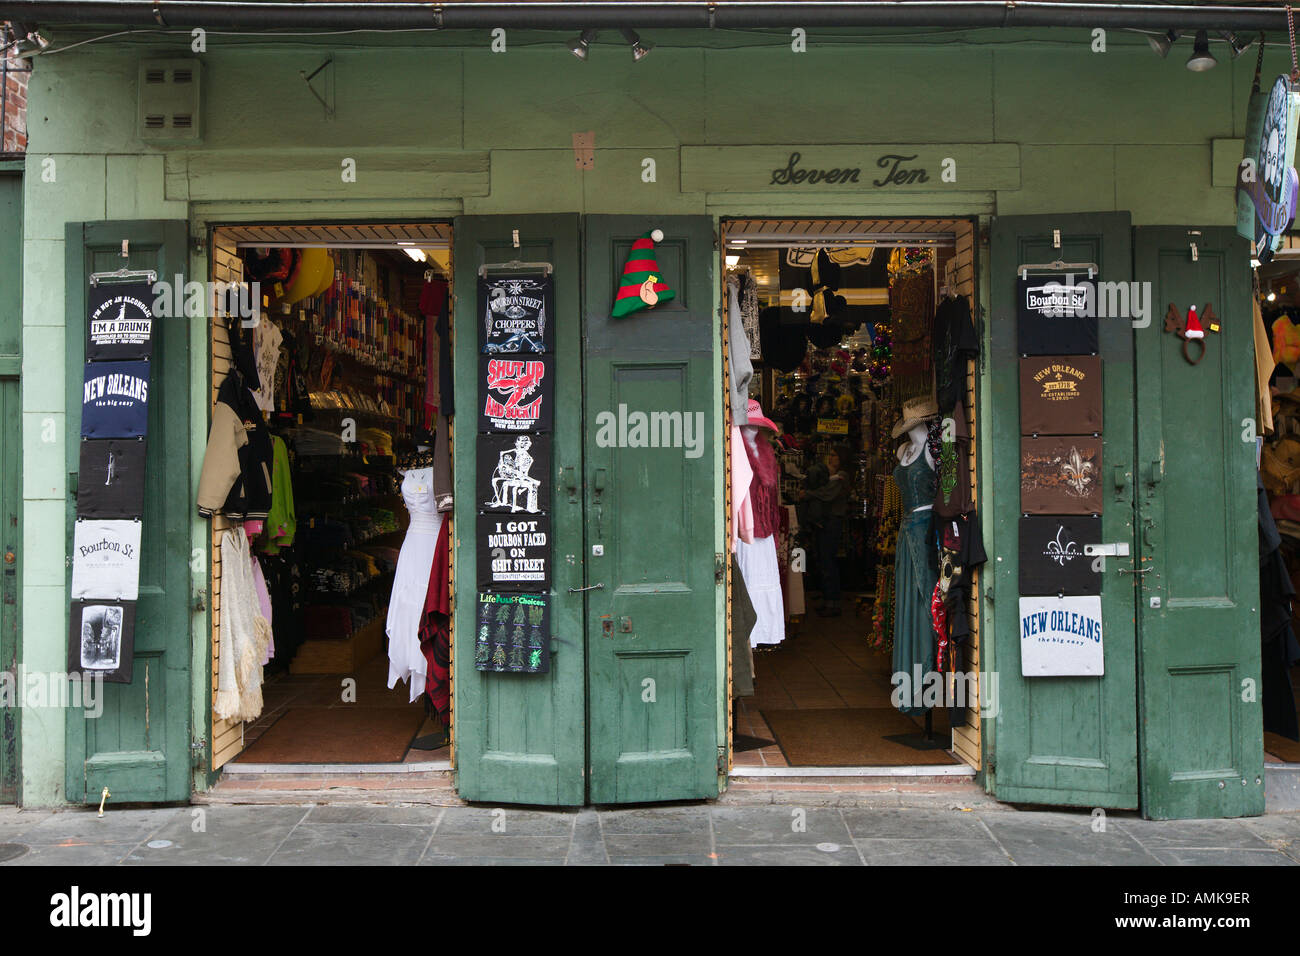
x=1051, y=555
x=955, y=341
x=110, y=482
x=1057, y=315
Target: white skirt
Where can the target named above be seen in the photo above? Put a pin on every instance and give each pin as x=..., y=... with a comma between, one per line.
x=406, y=605
x=762, y=576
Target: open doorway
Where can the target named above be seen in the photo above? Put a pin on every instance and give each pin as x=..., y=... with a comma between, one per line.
x=343, y=377
x=853, y=626
x=1277, y=350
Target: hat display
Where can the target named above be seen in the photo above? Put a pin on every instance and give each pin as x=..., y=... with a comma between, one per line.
x=755, y=414
x=641, y=285
x=915, y=411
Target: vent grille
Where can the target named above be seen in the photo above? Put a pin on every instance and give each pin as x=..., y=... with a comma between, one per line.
x=170, y=101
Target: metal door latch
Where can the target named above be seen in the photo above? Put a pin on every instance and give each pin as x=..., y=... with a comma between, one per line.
x=1118, y=549
x=589, y=587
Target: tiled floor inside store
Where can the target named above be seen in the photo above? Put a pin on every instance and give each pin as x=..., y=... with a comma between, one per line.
x=284, y=691
x=825, y=663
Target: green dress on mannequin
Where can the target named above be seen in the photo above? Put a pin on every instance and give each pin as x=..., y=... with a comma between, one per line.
x=915, y=573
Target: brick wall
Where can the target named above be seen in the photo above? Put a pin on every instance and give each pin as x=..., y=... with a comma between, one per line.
x=13, y=106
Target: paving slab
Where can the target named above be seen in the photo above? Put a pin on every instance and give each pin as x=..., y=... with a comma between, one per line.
x=499, y=846
x=587, y=845
x=798, y=826
x=1193, y=856
x=656, y=820
x=958, y=851
x=890, y=824
x=624, y=845
x=1059, y=840
x=420, y=816
x=115, y=826
x=229, y=836
x=1220, y=834
x=496, y=821
x=73, y=854
x=352, y=844
x=833, y=854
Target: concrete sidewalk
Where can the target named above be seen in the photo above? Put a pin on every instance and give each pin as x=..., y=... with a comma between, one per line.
x=697, y=834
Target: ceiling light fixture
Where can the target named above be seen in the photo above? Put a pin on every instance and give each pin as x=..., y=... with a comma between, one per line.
x=1163, y=42
x=1201, y=59
x=639, y=49
x=580, y=46
x=416, y=254
x=1236, y=44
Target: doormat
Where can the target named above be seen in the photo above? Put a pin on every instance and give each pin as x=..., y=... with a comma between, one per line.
x=855, y=737
x=1282, y=748
x=349, y=734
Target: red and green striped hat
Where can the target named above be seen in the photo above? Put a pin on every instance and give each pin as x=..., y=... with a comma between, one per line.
x=642, y=285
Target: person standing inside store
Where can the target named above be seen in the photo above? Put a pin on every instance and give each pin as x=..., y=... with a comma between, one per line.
x=834, y=499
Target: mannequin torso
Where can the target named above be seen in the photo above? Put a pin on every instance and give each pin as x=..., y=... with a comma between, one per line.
x=915, y=446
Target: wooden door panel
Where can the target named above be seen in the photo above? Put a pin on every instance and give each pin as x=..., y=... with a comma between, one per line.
x=520, y=738
x=650, y=494
x=1063, y=740
x=139, y=747
x=1201, y=746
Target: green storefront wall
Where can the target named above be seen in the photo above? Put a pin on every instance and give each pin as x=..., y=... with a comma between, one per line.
x=445, y=127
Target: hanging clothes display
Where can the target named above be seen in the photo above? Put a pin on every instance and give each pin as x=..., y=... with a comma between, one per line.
x=411, y=581
x=915, y=573
x=435, y=631
x=245, y=635
x=743, y=619
x=757, y=560
x=741, y=366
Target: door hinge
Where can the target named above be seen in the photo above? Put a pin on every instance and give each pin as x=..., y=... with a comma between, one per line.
x=719, y=567
x=722, y=760
x=199, y=752
x=990, y=761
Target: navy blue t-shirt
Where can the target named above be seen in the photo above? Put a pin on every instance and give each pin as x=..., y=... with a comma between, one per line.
x=115, y=400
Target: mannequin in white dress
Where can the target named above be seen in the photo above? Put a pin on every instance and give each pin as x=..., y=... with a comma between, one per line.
x=411, y=580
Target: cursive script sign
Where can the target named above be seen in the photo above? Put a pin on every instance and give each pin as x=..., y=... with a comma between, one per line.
x=801, y=167
x=896, y=173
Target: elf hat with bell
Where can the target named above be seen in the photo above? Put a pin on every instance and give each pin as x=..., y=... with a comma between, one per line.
x=1193, y=330
x=642, y=285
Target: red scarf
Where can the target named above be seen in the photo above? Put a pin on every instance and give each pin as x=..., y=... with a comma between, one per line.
x=765, y=487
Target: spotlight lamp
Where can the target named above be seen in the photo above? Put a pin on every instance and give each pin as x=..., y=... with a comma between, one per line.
x=1236, y=44
x=1201, y=59
x=639, y=49
x=580, y=46
x=1163, y=42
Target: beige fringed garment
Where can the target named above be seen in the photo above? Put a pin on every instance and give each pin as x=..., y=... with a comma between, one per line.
x=245, y=634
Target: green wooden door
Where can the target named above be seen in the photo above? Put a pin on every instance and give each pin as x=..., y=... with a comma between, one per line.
x=139, y=747
x=651, y=489
x=1198, y=621
x=11, y=463
x=520, y=738
x=1062, y=740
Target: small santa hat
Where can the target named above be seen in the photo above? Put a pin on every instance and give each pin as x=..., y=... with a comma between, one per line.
x=641, y=285
x=1193, y=330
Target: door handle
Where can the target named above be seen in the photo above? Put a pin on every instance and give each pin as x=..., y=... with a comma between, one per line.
x=570, y=483
x=1155, y=472
x=589, y=587
x=1121, y=481
x=599, y=483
